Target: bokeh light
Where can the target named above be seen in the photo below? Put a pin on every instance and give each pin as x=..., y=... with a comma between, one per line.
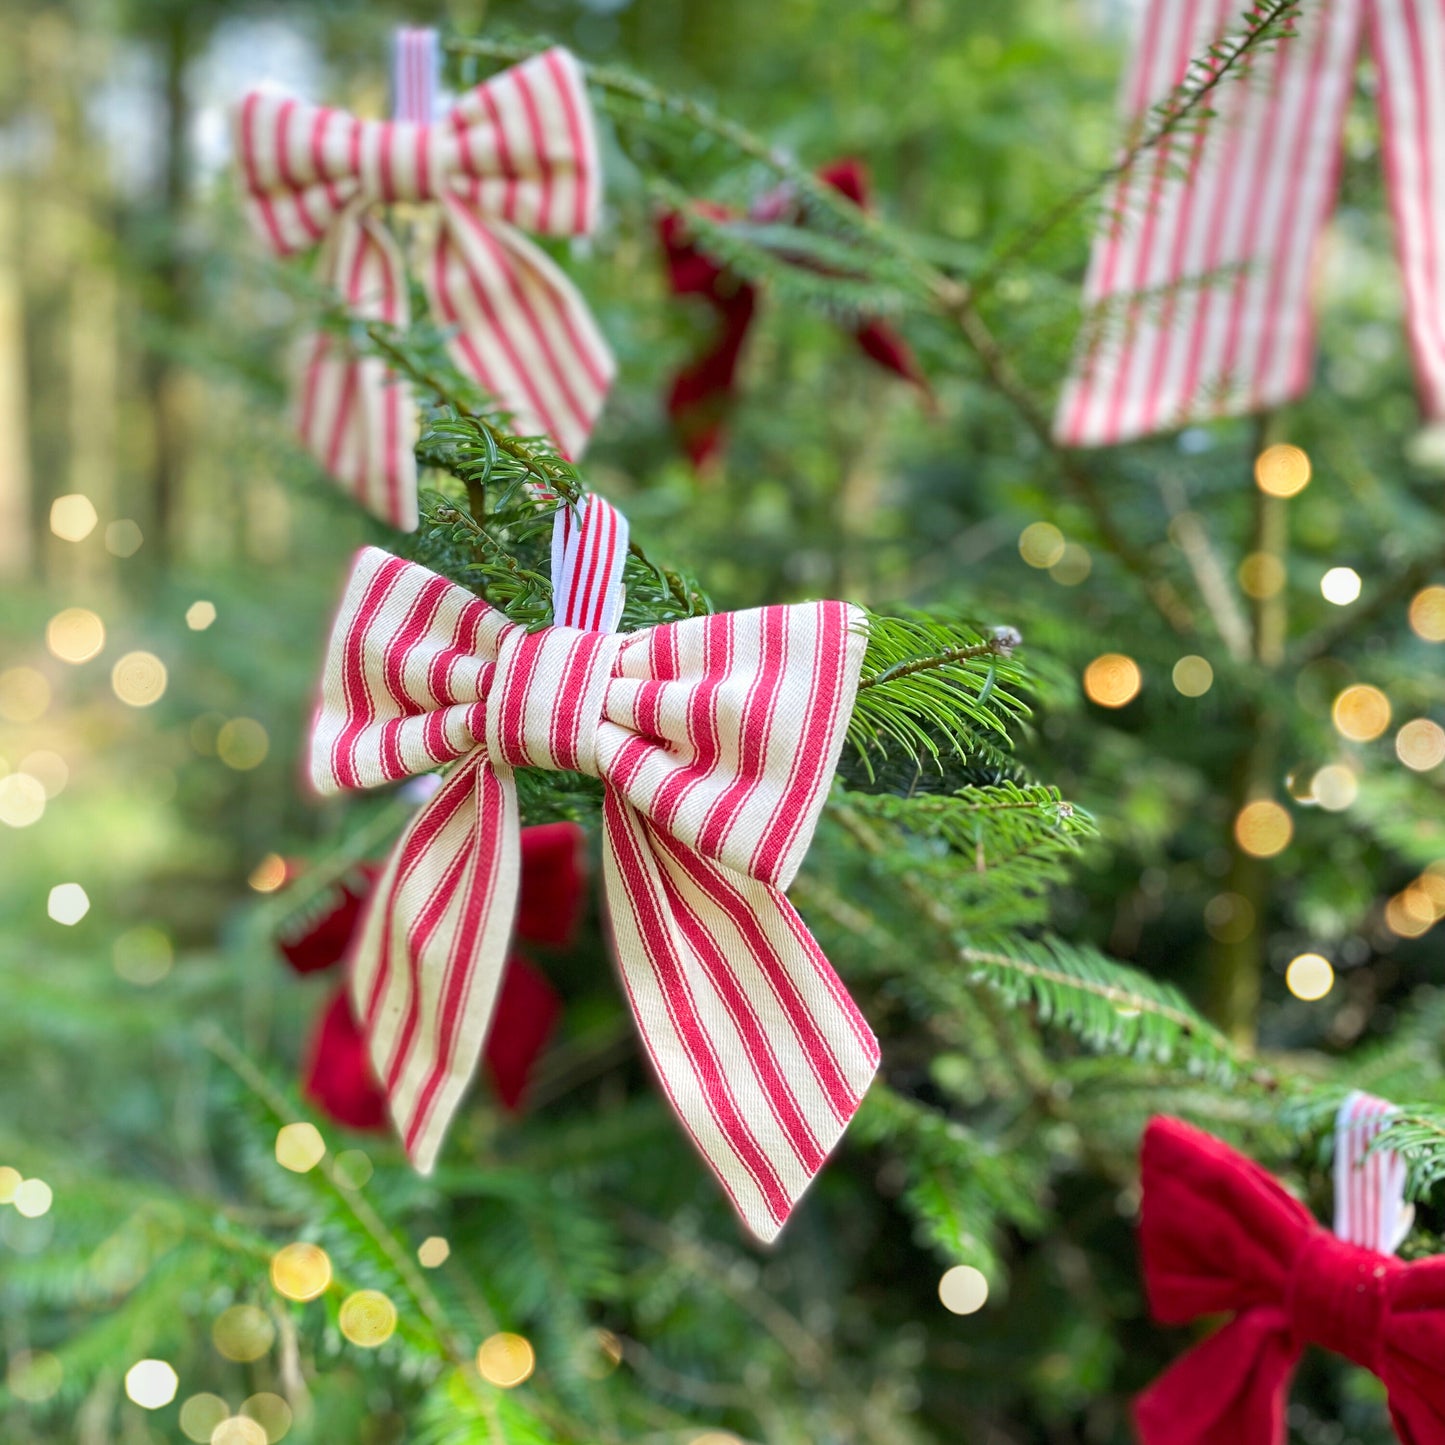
x=200, y=615
x=243, y=1333
x=242, y=744
x=34, y=1376
x=10, y=1178
x=1263, y=828
x=1334, y=787
x=1361, y=713
x=123, y=538
x=142, y=955
x=239, y=1430
x=1262, y=575
x=1112, y=680
x=139, y=679
x=299, y=1147
x=75, y=635
x=151, y=1384
x=199, y=1416
x=1427, y=614
x=48, y=769
x=367, y=1318
x=1229, y=917
x=73, y=517
x=1420, y=745
x=1411, y=912
x=433, y=1251
x=22, y=800
x=24, y=695
x=1041, y=544
x=506, y=1360
x=353, y=1168
x=68, y=904
x=271, y=1413
x=1193, y=676
x=1282, y=470
x=33, y=1198
x=269, y=874
x=963, y=1289
x=301, y=1271
x=1309, y=976
x=1073, y=567
x=1340, y=585
x=715, y=1437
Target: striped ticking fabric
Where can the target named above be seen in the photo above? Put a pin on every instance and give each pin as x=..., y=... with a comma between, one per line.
x=1198, y=288
x=1370, y=1207
x=415, y=68
x=716, y=738
x=518, y=153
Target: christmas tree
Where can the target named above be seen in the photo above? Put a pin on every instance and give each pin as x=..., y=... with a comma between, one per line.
x=1138, y=811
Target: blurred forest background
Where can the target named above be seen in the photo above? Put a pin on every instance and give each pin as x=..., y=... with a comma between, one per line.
x=169, y=562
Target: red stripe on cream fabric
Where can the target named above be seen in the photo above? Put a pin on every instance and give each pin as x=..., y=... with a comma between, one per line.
x=1370, y=1207
x=1198, y=281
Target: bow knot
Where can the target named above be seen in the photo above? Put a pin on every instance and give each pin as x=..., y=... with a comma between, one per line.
x=1337, y=1297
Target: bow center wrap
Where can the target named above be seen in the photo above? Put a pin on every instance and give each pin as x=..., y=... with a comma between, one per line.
x=545, y=700
x=1338, y=1297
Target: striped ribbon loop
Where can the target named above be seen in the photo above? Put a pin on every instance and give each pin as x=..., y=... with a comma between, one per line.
x=517, y=153
x=1198, y=289
x=1370, y=1207
x=416, y=60
x=715, y=739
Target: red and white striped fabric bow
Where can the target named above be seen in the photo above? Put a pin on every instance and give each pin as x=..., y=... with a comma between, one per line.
x=1370, y=1207
x=516, y=153
x=715, y=738
x=1199, y=280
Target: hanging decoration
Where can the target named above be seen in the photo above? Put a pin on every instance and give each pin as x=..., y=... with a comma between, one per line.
x=1199, y=283
x=338, y=1074
x=715, y=739
x=702, y=393
x=516, y=153
x=1219, y=1235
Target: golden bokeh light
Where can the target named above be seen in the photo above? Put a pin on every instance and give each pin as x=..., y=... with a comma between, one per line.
x=1309, y=977
x=10, y=1180
x=433, y=1251
x=22, y=800
x=1263, y=828
x=1361, y=713
x=1041, y=544
x=367, y=1318
x=1427, y=614
x=1411, y=912
x=506, y=1360
x=75, y=635
x=242, y=744
x=715, y=1437
x=139, y=679
x=1334, y=787
x=963, y=1290
x=34, y=1376
x=123, y=538
x=299, y=1147
x=68, y=903
x=1420, y=745
x=73, y=517
x=239, y=1430
x=1282, y=470
x=24, y=695
x=271, y=1413
x=48, y=769
x=1340, y=585
x=599, y=1354
x=1229, y=917
x=269, y=874
x=1073, y=567
x=142, y=955
x=243, y=1333
x=33, y=1198
x=301, y=1271
x=353, y=1168
x=199, y=1416
x=151, y=1384
x=1112, y=680
x=1193, y=676
x=200, y=614
x=1262, y=575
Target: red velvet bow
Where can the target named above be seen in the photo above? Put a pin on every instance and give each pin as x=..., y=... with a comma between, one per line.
x=702, y=391
x=1219, y=1235
x=339, y=1077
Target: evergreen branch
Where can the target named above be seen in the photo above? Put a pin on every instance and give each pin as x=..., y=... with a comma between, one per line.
x=1265, y=21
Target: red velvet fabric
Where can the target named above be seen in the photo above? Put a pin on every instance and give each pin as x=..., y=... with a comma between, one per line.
x=338, y=1078
x=701, y=394
x=1219, y=1235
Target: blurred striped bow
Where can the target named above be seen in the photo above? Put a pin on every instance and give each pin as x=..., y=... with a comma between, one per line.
x=515, y=153
x=715, y=739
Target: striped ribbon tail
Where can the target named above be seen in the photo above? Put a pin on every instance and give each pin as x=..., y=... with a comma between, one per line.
x=589, y=550
x=415, y=69
x=1370, y=1207
x=1197, y=296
